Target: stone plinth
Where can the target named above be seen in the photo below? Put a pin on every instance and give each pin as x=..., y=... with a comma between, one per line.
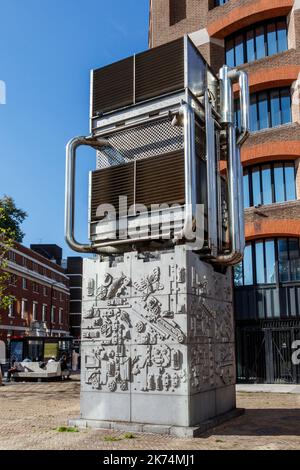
x=157, y=341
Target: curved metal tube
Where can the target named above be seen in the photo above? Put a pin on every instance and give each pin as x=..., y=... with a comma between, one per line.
x=108, y=247
x=235, y=172
x=188, y=117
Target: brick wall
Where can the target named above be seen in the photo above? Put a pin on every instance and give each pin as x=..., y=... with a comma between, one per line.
x=38, y=281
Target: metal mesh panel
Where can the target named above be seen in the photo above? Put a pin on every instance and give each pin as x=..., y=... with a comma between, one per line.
x=144, y=141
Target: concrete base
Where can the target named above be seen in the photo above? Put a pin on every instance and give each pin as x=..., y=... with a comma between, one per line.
x=176, y=431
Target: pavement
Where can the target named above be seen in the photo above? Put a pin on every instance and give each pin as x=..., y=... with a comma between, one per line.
x=36, y=415
x=268, y=388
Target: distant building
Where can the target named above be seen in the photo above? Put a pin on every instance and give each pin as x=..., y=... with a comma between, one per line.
x=74, y=272
x=73, y=269
x=41, y=291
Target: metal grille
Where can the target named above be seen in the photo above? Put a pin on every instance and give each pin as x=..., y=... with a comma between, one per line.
x=144, y=141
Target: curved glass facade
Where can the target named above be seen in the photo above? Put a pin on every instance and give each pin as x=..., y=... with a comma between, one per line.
x=257, y=41
x=269, y=183
x=268, y=108
x=269, y=261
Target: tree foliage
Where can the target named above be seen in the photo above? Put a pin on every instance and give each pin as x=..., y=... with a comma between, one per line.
x=6, y=243
x=11, y=219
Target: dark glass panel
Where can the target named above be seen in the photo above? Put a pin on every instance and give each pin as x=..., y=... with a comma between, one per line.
x=279, y=182
x=283, y=263
x=266, y=184
x=259, y=254
x=290, y=186
x=248, y=266
x=246, y=190
x=270, y=262
x=256, y=188
x=282, y=36
x=260, y=42
x=275, y=108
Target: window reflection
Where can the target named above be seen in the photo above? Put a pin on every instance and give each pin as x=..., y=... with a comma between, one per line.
x=268, y=262
x=260, y=40
x=268, y=109
x=270, y=183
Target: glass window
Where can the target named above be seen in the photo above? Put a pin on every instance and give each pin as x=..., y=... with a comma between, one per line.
x=294, y=259
x=271, y=38
x=289, y=176
x=257, y=41
x=220, y=2
x=263, y=113
x=246, y=190
x=283, y=260
x=256, y=189
x=34, y=311
x=259, y=256
x=282, y=36
x=268, y=109
x=248, y=266
x=230, y=53
x=275, y=108
x=270, y=261
x=260, y=265
x=266, y=184
x=239, y=50
x=279, y=182
x=250, y=46
x=285, y=100
x=253, y=113
x=44, y=313
x=260, y=42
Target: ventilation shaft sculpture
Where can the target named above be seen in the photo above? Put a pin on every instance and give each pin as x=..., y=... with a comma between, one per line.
x=167, y=225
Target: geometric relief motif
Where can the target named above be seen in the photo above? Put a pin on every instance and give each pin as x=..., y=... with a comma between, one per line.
x=138, y=342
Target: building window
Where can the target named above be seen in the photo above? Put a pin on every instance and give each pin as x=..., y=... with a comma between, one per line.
x=268, y=108
x=44, y=313
x=257, y=41
x=24, y=309
x=45, y=291
x=61, y=296
x=24, y=261
x=12, y=256
x=35, y=288
x=60, y=315
x=54, y=294
x=34, y=311
x=269, y=183
x=269, y=261
x=24, y=283
x=35, y=267
x=11, y=309
x=53, y=314
x=218, y=3
x=177, y=11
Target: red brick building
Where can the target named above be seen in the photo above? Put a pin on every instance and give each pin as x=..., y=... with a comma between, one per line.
x=41, y=291
x=263, y=38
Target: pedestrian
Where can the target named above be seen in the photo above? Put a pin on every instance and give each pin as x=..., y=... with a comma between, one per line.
x=12, y=370
x=1, y=376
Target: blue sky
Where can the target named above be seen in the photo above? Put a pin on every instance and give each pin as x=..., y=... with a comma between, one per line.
x=47, y=48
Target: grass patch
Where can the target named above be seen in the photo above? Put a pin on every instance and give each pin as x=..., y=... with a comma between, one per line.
x=127, y=435
x=112, y=438
x=66, y=429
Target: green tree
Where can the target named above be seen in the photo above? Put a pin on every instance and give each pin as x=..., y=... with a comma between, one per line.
x=11, y=219
x=6, y=243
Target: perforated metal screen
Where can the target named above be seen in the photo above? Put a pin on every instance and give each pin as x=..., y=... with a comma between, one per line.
x=144, y=141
